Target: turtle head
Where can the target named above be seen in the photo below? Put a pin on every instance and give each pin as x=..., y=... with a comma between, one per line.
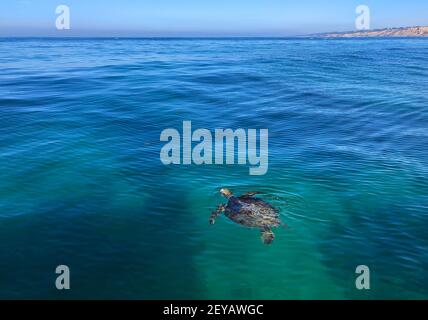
x=226, y=192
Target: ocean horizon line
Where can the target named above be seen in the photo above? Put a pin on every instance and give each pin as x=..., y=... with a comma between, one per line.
x=311, y=37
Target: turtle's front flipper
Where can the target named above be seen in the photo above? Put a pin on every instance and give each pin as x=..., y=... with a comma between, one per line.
x=250, y=194
x=267, y=235
x=215, y=214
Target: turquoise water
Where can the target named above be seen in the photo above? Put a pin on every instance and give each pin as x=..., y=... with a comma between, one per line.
x=81, y=182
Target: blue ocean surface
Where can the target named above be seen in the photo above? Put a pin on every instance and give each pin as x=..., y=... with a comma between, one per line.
x=82, y=184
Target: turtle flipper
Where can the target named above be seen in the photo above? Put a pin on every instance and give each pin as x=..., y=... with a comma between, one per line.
x=267, y=235
x=250, y=194
x=216, y=213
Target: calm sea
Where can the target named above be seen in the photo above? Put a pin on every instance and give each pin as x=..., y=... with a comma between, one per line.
x=81, y=182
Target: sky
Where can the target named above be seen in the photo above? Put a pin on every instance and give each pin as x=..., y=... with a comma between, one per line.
x=203, y=17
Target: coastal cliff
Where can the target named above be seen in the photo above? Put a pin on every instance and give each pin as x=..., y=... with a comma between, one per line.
x=418, y=31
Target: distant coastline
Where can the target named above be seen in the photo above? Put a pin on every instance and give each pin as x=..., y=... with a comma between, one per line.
x=418, y=31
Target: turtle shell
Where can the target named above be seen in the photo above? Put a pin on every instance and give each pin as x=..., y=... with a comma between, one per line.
x=252, y=212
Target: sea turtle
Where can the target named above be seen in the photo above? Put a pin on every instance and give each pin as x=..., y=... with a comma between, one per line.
x=250, y=212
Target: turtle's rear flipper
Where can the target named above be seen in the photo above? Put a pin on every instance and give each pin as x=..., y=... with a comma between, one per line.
x=267, y=236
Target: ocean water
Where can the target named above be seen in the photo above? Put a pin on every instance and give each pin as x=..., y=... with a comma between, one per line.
x=81, y=182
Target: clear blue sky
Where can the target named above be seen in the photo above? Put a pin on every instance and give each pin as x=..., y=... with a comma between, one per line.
x=203, y=17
